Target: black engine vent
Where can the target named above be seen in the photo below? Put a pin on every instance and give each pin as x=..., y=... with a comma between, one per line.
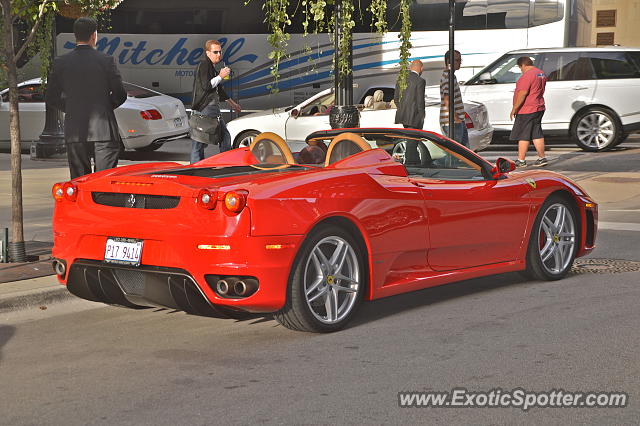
x=135, y=201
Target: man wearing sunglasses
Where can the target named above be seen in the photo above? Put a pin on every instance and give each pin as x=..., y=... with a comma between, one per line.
x=208, y=93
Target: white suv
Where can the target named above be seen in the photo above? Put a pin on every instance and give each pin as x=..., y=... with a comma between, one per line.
x=592, y=93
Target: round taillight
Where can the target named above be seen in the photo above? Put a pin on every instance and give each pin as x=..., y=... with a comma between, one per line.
x=70, y=191
x=235, y=201
x=206, y=199
x=57, y=192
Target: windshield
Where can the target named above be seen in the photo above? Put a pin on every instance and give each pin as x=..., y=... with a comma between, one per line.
x=138, y=92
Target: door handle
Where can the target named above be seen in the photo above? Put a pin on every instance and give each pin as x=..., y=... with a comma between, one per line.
x=579, y=87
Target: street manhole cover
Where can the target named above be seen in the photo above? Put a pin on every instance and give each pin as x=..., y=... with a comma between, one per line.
x=604, y=266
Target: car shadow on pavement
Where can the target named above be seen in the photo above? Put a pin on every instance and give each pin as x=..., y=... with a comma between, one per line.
x=388, y=306
x=6, y=333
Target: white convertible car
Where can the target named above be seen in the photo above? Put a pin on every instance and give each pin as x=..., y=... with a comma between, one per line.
x=297, y=122
x=146, y=119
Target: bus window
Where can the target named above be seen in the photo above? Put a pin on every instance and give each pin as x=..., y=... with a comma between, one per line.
x=433, y=15
x=138, y=92
x=507, y=14
x=545, y=12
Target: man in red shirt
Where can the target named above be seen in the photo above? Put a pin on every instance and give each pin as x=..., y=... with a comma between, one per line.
x=528, y=109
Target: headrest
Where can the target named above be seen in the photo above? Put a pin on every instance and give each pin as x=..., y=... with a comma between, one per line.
x=345, y=145
x=368, y=102
x=270, y=148
x=378, y=96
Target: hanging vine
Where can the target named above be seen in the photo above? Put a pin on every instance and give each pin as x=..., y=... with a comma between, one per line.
x=378, y=9
x=277, y=19
x=345, y=25
x=405, y=44
x=317, y=18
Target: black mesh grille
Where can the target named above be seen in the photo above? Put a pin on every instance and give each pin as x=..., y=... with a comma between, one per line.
x=131, y=281
x=135, y=201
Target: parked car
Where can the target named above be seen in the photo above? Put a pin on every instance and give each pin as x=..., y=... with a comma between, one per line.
x=146, y=120
x=591, y=93
x=295, y=123
x=251, y=230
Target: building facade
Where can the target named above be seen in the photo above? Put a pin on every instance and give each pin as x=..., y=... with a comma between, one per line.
x=615, y=22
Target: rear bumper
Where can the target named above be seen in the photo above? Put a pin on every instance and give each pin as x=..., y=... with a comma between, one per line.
x=174, y=277
x=145, y=140
x=133, y=287
x=480, y=139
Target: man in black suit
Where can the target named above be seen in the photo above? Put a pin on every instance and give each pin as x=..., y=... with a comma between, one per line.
x=86, y=85
x=411, y=106
x=410, y=111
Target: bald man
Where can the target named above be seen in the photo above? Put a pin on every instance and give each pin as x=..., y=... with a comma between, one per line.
x=410, y=111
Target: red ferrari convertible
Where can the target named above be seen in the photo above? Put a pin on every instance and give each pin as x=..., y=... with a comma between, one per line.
x=307, y=237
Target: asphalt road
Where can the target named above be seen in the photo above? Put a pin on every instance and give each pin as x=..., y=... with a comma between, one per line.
x=79, y=362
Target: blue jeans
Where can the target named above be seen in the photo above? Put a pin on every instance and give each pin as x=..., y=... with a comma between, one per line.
x=460, y=133
x=197, y=148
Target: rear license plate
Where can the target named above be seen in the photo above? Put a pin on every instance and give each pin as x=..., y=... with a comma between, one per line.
x=123, y=251
x=178, y=121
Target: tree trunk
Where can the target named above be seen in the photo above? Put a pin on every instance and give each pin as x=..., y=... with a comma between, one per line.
x=17, y=233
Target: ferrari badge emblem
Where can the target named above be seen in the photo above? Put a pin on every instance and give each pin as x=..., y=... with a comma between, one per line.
x=131, y=201
x=531, y=182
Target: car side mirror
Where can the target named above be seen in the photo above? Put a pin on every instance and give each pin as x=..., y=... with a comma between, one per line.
x=503, y=165
x=485, y=78
x=295, y=113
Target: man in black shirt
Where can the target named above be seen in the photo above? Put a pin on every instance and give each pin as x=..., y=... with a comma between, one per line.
x=208, y=93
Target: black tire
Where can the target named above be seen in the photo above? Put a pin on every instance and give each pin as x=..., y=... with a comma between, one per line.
x=596, y=129
x=297, y=313
x=149, y=148
x=243, y=137
x=539, y=268
x=621, y=139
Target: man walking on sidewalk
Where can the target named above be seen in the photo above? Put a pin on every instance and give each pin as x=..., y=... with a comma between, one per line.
x=528, y=109
x=208, y=93
x=86, y=85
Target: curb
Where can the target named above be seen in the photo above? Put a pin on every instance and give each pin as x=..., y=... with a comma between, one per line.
x=32, y=292
x=34, y=298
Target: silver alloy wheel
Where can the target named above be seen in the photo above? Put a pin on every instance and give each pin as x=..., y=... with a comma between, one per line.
x=400, y=150
x=556, y=238
x=247, y=138
x=331, y=279
x=596, y=130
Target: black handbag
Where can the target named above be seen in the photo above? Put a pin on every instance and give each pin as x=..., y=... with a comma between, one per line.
x=205, y=129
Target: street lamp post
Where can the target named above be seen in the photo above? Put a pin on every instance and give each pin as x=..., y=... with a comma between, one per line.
x=452, y=27
x=51, y=142
x=343, y=114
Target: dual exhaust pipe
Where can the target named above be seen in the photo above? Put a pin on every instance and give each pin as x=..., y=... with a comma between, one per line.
x=59, y=267
x=236, y=287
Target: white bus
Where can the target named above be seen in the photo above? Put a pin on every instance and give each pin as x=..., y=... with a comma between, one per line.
x=157, y=44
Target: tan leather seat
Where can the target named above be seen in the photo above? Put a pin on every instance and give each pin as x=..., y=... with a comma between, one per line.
x=378, y=100
x=269, y=148
x=368, y=102
x=345, y=145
